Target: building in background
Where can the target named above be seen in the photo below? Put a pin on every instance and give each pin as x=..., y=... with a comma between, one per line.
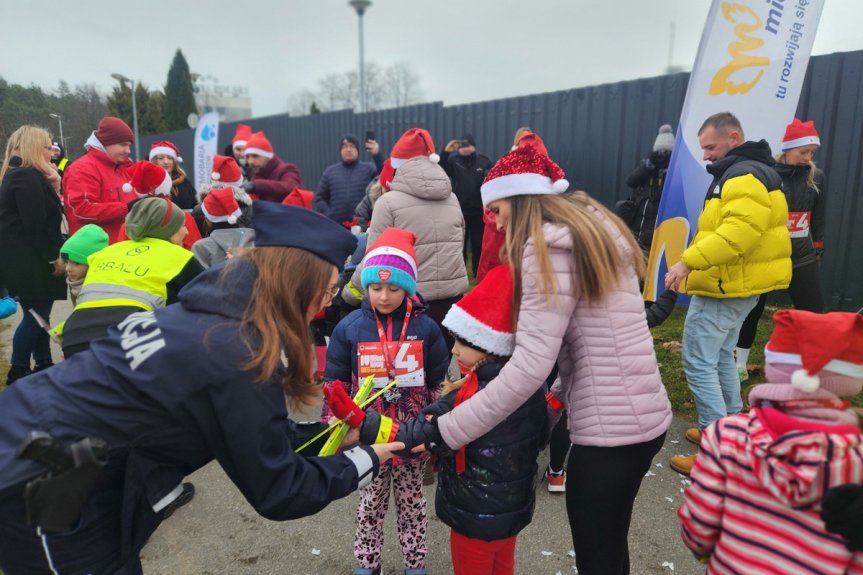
x=233, y=103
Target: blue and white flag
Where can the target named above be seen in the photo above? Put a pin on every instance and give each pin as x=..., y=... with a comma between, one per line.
x=206, y=138
x=751, y=62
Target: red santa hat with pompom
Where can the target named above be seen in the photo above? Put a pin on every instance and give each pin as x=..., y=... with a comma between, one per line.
x=220, y=205
x=521, y=172
x=413, y=143
x=830, y=342
x=799, y=134
x=148, y=179
x=165, y=148
x=241, y=136
x=259, y=145
x=483, y=318
x=226, y=172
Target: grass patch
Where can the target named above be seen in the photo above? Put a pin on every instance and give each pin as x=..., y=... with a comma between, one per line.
x=670, y=366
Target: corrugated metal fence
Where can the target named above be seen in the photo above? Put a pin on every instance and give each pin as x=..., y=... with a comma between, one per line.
x=597, y=134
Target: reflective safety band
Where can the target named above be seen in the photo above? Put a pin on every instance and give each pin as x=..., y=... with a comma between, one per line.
x=387, y=430
x=99, y=294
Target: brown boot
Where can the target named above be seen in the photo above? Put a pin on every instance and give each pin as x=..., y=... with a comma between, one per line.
x=693, y=435
x=683, y=463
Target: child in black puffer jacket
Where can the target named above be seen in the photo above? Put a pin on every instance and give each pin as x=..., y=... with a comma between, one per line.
x=486, y=490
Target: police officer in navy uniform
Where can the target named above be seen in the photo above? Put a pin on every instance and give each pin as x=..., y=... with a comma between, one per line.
x=169, y=390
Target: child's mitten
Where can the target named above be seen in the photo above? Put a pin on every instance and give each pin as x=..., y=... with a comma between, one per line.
x=342, y=406
x=842, y=512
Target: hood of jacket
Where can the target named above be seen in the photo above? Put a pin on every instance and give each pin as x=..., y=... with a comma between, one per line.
x=212, y=293
x=757, y=151
x=239, y=194
x=422, y=178
x=796, y=465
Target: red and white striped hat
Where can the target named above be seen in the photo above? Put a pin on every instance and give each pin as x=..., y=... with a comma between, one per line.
x=165, y=148
x=259, y=145
x=483, y=318
x=799, y=134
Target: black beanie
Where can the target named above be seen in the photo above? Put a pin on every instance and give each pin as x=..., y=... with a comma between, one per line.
x=350, y=139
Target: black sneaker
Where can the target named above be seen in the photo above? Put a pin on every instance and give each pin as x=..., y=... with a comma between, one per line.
x=17, y=372
x=184, y=497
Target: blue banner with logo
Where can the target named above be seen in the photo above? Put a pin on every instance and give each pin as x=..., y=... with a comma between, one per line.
x=206, y=138
x=751, y=62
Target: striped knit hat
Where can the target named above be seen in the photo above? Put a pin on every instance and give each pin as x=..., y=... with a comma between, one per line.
x=392, y=260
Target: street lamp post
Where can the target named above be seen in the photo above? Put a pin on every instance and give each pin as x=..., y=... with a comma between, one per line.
x=361, y=6
x=59, y=119
x=122, y=79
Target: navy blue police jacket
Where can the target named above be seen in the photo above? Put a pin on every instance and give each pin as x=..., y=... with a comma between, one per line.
x=167, y=391
x=494, y=497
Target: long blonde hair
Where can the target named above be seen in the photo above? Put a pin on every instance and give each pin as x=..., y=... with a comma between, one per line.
x=27, y=143
x=810, y=177
x=277, y=315
x=598, y=261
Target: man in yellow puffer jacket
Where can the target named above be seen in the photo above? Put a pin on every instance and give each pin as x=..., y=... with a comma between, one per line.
x=741, y=249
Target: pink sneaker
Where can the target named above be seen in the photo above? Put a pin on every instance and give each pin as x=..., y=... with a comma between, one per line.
x=556, y=481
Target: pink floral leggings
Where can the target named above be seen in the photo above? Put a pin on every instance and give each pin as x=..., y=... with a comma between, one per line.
x=411, y=519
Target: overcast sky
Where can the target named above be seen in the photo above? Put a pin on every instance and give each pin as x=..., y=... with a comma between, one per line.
x=462, y=51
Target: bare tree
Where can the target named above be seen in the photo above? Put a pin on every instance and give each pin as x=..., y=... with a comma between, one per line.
x=390, y=87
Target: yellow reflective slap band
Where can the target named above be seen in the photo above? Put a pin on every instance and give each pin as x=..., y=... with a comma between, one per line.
x=384, y=430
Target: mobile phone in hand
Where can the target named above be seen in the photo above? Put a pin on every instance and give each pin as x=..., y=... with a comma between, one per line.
x=370, y=135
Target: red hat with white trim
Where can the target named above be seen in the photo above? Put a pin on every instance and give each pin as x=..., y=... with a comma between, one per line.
x=387, y=175
x=522, y=172
x=226, y=172
x=148, y=179
x=483, y=318
x=259, y=145
x=165, y=148
x=241, y=136
x=220, y=205
x=826, y=350
x=799, y=134
x=414, y=143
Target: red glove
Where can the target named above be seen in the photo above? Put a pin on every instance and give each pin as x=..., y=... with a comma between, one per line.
x=553, y=402
x=342, y=406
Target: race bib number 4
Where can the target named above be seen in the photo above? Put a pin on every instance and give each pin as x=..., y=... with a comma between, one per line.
x=798, y=224
x=407, y=361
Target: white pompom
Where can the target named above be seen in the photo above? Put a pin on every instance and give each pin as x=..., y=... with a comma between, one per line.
x=560, y=186
x=805, y=382
x=232, y=219
x=434, y=158
x=514, y=148
x=215, y=176
x=127, y=188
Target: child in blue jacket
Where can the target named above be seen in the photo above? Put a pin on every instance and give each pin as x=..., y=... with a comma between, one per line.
x=418, y=358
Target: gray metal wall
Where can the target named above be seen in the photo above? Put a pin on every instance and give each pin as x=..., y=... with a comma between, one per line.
x=597, y=134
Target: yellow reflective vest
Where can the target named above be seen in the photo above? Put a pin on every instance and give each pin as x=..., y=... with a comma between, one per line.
x=132, y=273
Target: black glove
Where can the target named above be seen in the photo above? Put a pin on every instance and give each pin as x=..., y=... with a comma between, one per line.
x=660, y=158
x=249, y=186
x=377, y=428
x=842, y=512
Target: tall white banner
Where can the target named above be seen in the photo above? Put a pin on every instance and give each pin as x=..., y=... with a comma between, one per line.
x=206, y=139
x=751, y=61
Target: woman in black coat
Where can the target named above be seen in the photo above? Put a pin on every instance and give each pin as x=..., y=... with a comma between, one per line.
x=165, y=154
x=30, y=218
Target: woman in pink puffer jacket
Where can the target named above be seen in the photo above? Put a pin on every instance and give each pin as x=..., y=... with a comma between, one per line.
x=578, y=304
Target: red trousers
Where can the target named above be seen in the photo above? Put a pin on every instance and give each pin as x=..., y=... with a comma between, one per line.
x=477, y=557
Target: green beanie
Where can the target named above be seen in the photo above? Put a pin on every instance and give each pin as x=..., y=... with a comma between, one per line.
x=88, y=240
x=154, y=218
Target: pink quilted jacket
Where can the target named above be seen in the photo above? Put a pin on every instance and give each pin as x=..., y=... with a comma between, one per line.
x=608, y=375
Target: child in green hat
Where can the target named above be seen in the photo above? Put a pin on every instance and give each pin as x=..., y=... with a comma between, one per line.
x=75, y=251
